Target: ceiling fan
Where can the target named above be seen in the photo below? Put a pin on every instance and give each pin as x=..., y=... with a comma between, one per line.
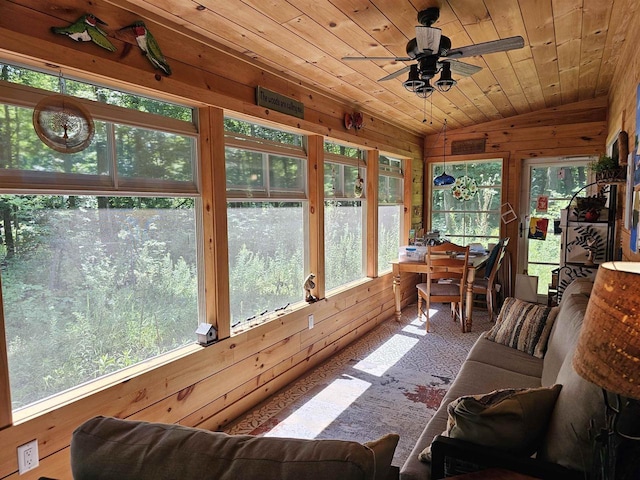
x=433, y=53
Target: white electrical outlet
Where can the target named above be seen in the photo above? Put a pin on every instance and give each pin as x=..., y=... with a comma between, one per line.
x=310, y=322
x=28, y=456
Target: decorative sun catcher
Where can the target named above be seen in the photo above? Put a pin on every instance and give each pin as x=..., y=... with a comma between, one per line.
x=63, y=124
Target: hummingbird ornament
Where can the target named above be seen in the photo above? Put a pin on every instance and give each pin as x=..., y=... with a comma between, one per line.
x=149, y=46
x=86, y=29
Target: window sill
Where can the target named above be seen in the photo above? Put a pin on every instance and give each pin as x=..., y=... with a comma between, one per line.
x=54, y=402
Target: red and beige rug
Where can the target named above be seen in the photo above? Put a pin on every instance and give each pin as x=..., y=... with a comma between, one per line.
x=390, y=380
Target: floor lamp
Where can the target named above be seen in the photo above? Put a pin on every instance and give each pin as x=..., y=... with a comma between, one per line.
x=608, y=355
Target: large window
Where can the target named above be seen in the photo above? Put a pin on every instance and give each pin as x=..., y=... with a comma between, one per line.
x=469, y=210
x=344, y=215
x=390, y=210
x=266, y=194
x=99, y=248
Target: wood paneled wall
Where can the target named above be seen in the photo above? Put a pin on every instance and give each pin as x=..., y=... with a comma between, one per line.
x=576, y=129
x=210, y=386
x=622, y=110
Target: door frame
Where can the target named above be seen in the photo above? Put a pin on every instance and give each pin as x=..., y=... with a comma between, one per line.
x=525, y=193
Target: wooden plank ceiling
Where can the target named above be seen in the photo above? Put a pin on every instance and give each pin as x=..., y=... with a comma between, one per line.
x=570, y=53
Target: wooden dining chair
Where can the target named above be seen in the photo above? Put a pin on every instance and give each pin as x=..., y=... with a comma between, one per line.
x=486, y=285
x=446, y=280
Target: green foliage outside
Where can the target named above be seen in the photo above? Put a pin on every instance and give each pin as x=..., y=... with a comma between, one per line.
x=472, y=221
x=90, y=290
x=389, y=221
x=559, y=184
x=75, y=88
x=344, y=248
x=266, y=257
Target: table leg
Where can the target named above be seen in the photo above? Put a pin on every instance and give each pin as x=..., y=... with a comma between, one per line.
x=396, y=294
x=469, y=307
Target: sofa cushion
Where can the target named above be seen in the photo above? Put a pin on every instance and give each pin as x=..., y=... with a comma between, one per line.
x=491, y=353
x=512, y=420
x=567, y=440
x=566, y=328
x=109, y=448
x=383, y=451
x=524, y=326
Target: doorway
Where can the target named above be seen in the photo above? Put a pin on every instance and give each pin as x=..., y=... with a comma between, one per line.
x=548, y=186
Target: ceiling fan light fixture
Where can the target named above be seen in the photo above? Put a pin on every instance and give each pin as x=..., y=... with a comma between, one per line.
x=445, y=82
x=413, y=82
x=425, y=90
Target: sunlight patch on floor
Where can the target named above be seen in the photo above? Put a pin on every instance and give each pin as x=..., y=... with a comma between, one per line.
x=387, y=355
x=317, y=414
x=417, y=327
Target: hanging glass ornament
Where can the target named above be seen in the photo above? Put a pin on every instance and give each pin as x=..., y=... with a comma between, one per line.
x=359, y=187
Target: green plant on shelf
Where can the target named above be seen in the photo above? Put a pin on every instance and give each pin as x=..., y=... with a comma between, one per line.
x=607, y=170
x=602, y=164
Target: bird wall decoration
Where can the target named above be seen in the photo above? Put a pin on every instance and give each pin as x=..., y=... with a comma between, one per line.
x=355, y=120
x=86, y=29
x=149, y=46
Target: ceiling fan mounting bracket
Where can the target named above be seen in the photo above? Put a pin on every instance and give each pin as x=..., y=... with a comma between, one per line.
x=429, y=16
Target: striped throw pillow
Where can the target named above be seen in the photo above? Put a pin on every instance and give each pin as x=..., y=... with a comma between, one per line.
x=524, y=326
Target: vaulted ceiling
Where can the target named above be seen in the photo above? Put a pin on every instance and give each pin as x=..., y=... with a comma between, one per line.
x=570, y=50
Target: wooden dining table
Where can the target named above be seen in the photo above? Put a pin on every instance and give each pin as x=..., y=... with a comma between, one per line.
x=476, y=261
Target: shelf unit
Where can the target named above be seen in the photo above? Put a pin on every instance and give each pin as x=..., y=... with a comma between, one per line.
x=585, y=245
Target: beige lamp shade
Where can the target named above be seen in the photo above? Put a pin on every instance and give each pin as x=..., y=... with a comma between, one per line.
x=608, y=350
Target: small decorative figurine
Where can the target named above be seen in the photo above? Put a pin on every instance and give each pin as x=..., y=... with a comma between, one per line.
x=591, y=242
x=358, y=187
x=309, y=285
x=149, y=46
x=85, y=29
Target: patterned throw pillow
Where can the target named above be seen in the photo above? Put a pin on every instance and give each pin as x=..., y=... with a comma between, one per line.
x=524, y=326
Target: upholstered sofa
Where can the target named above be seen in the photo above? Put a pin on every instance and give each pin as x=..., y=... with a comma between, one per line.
x=564, y=447
x=106, y=448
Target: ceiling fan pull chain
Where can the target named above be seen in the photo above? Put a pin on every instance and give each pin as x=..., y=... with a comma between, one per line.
x=424, y=110
x=431, y=115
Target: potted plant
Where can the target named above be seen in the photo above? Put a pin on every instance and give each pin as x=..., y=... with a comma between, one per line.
x=607, y=170
x=588, y=208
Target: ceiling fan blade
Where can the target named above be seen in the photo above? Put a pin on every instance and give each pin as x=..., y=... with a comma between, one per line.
x=428, y=39
x=395, y=74
x=462, y=69
x=396, y=59
x=493, y=46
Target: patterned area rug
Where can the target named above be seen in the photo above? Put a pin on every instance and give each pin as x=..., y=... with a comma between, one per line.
x=391, y=380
